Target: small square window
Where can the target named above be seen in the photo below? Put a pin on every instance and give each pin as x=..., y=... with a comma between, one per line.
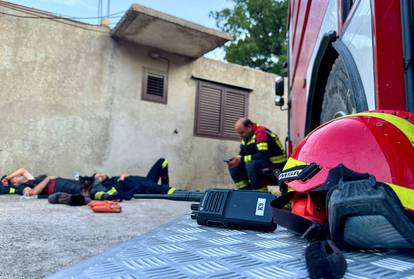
x=154, y=86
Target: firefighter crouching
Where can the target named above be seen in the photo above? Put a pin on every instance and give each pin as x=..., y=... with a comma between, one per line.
x=260, y=149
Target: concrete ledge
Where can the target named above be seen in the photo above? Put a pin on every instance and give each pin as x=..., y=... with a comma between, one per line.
x=165, y=32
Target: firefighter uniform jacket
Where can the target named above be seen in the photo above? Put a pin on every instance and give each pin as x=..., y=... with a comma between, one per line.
x=263, y=145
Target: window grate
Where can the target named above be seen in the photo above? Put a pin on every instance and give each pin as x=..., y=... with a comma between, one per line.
x=155, y=86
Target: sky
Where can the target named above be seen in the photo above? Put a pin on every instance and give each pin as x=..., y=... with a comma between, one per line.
x=193, y=10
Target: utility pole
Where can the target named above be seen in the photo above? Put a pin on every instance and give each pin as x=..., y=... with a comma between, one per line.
x=99, y=11
x=104, y=21
x=108, y=9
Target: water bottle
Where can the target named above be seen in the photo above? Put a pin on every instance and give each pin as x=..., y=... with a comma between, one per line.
x=77, y=176
x=26, y=196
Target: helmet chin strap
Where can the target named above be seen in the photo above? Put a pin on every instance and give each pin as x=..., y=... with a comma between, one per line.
x=302, y=173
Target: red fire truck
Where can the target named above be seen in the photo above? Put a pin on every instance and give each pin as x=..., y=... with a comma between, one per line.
x=346, y=56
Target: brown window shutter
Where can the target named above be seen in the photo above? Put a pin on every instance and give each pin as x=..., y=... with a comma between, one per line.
x=209, y=110
x=235, y=107
x=218, y=107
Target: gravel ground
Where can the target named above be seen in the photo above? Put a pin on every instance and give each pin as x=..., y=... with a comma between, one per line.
x=38, y=239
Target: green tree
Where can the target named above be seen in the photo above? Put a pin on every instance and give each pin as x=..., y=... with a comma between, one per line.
x=259, y=30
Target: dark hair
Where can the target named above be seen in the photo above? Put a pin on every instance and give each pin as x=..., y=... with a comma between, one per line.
x=3, y=177
x=247, y=122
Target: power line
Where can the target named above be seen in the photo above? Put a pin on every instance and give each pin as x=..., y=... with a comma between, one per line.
x=114, y=15
x=55, y=17
x=58, y=19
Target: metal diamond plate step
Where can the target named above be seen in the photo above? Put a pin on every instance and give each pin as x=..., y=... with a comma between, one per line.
x=183, y=249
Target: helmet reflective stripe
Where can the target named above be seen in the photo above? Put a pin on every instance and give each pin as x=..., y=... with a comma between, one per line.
x=405, y=127
x=291, y=163
x=405, y=195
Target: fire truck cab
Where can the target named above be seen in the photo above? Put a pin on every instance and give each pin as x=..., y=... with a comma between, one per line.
x=347, y=56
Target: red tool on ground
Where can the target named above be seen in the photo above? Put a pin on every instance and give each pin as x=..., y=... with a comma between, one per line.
x=105, y=207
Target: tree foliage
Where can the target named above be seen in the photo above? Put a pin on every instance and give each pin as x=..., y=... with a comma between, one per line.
x=259, y=30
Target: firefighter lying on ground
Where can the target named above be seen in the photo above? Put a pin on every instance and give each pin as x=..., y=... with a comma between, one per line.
x=23, y=182
x=9, y=182
x=125, y=186
x=260, y=149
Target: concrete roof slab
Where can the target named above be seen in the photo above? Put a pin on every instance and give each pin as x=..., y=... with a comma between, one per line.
x=152, y=28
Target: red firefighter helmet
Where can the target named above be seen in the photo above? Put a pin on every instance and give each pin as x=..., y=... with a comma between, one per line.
x=377, y=143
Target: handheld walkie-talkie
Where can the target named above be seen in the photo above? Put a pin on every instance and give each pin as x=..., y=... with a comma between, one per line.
x=233, y=209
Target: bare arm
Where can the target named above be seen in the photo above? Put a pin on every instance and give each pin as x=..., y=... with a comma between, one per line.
x=15, y=173
x=27, y=175
x=39, y=187
x=21, y=171
x=123, y=176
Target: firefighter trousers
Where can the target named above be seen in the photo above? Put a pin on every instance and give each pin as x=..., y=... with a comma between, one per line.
x=249, y=176
x=159, y=171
